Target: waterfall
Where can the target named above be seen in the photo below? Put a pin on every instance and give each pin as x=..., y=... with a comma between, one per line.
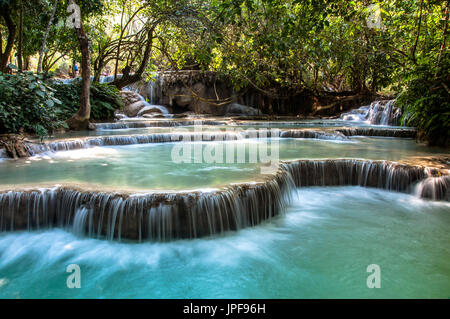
x=115, y=140
x=340, y=172
x=168, y=216
x=108, y=78
x=377, y=113
x=153, y=91
x=79, y=221
x=159, y=123
x=434, y=188
x=314, y=134
x=163, y=110
x=103, y=79
x=162, y=217
x=3, y=154
x=382, y=132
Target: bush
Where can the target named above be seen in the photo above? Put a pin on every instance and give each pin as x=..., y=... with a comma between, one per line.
x=104, y=99
x=426, y=102
x=27, y=104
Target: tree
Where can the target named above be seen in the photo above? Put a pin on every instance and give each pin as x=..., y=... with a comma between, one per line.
x=44, y=41
x=20, y=40
x=80, y=120
x=140, y=43
x=5, y=13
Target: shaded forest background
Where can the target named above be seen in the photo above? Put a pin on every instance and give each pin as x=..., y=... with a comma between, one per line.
x=281, y=49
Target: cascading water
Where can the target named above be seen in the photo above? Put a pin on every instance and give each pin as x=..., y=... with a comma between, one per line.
x=159, y=123
x=435, y=188
x=160, y=217
x=109, y=78
x=167, y=216
x=313, y=134
x=67, y=145
x=114, y=140
x=154, y=89
x=150, y=105
x=344, y=172
x=373, y=131
x=377, y=113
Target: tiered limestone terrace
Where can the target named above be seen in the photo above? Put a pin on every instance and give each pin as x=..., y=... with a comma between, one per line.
x=122, y=181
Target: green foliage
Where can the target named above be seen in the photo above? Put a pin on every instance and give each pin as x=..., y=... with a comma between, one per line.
x=104, y=99
x=27, y=104
x=426, y=101
x=280, y=48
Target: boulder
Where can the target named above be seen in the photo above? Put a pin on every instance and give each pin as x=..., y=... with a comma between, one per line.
x=129, y=97
x=149, y=109
x=131, y=110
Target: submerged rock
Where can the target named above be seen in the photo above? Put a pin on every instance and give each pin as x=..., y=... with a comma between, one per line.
x=132, y=110
x=136, y=105
x=15, y=145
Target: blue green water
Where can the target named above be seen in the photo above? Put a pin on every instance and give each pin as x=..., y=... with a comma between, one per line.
x=152, y=167
x=320, y=248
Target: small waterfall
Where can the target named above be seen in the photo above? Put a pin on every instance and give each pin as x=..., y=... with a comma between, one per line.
x=148, y=216
x=332, y=135
x=159, y=123
x=340, y=172
x=377, y=113
x=168, y=216
x=153, y=91
x=66, y=81
x=115, y=140
x=79, y=221
x=150, y=105
x=102, y=79
x=3, y=154
x=109, y=78
x=381, y=132
x=435, y=188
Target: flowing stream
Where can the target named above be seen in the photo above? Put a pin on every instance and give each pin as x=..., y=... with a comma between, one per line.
x=123, y=204
x=320, y=248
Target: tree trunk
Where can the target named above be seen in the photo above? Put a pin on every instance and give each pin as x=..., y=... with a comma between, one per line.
x=116, y=67
x=128, y=79
x=4, y=56
x=413, y=49
x=27, y=62
x=98, y=65
x=44, y=42
x=80, y=120
x=19, y=46
x=444, y=35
